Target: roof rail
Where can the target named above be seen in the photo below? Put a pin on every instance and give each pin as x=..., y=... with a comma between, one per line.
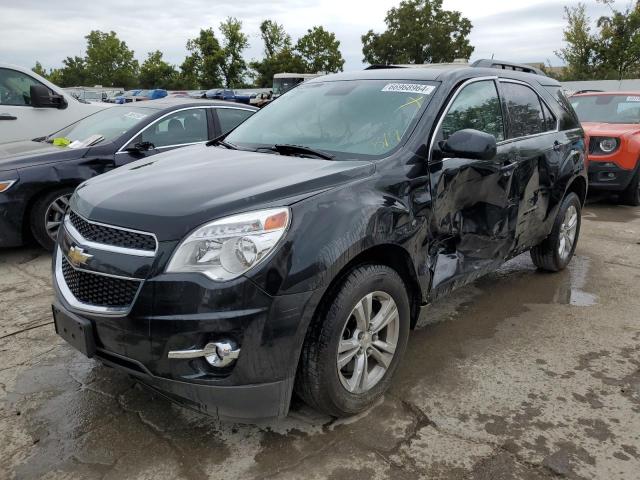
x=518, y=67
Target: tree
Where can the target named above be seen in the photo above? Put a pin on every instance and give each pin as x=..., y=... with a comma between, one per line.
x=39, y=69
x=419, y=31
x=320, y=51
x=109, y=61
x=233, y=66
x=279, y=55
x=579, y=54
x=156, y=73
x=189, y=74
x=618, y=47
x=206, y=58
x=73, y=73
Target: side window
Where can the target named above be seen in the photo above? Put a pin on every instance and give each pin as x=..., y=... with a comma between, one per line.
x=15, y=87
x=185, y=126
x=230, y=118
x=525, y=111
x=477, y=106
x=549, y=118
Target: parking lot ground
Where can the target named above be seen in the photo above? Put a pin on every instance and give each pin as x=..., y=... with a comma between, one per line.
x=520, y=375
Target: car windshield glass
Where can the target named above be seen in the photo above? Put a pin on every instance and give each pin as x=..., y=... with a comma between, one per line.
x=349, y=119
x=607, y=108
x=109, y=124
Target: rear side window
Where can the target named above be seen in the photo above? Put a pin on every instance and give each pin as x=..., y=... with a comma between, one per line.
x=525, y=110
x=15, y=87
x=477, y=106
x=185, y=126
x=549, y=117
x=230, y=118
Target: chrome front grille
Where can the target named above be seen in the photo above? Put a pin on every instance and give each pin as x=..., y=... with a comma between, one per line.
x=112, y=236
x=99, y=290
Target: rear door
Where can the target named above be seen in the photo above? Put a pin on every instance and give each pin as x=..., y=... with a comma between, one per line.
x=471, y=220
x=532, y=127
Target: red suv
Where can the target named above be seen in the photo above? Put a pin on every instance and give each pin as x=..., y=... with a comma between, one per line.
x=611, y=122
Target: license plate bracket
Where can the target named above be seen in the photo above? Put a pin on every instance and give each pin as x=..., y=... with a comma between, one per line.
x=76, y=331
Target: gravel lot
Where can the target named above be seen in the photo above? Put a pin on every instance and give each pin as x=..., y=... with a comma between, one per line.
x=520, y=375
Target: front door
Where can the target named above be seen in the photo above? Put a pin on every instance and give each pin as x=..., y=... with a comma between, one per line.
x=472, y=220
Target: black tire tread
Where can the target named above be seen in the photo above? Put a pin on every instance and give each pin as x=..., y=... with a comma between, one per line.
x=308, y=379
x=631, y=195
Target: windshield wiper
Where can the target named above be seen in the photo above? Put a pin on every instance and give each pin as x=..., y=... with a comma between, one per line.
x=219, y=140
x=287, y=149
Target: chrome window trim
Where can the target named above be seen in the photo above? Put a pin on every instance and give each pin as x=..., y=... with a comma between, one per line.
x=78, y=306
x=556, y=130
x=103, y=246
x=122, y=149
x=462, y=86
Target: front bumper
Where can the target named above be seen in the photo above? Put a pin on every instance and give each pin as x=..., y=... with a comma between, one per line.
x=186, y=311
x=608, y=176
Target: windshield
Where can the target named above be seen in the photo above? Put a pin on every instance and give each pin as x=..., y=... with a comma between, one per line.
x=607, y=108
x=108, y=124
x=357, y=118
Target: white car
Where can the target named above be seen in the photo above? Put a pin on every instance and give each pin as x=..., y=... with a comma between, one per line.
x=31, y=106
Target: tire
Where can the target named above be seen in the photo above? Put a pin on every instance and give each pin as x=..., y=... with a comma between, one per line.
x=47, y=215
x=340, y=391
x=631, y=195
x=549, y=255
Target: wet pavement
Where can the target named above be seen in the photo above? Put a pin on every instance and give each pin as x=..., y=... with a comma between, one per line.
x=520, y=375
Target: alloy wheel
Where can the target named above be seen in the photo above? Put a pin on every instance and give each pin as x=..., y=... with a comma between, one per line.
x=368, y=342
x=568, y=232
x=54, y=215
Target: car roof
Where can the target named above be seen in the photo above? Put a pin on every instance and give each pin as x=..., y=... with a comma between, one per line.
x=178, y=102
x=435, y=73
x=595, y=94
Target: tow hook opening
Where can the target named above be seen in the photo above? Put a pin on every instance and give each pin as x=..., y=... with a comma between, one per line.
x=217, y=354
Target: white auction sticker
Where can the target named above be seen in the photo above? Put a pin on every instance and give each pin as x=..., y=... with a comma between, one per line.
x=633, y=99
x=409, y=88
x=135, y=115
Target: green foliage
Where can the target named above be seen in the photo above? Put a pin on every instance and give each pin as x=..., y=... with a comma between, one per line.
x=206, y=58
x=279, y=55
x=579, y=54
x=419, y=31
x=612, y=52
x=39, y=69
x=156, y=73
x=618, y=46
x=109, y=62
x=74, y=73
x=233, y=67
x=320, y=51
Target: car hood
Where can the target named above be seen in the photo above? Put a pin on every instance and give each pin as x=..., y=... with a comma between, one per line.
x=172, y=193
x=27, y=153
x=610, y=129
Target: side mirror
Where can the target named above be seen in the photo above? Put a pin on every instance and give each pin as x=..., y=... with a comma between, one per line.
x=41, y=97
x=141, y=147
x=470, y=143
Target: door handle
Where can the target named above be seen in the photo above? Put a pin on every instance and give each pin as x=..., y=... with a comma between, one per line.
x=7, y=116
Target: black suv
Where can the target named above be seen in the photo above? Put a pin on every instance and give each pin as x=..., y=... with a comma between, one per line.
x=296, y=253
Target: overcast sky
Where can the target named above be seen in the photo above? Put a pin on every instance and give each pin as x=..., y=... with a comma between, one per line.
x=49, y=31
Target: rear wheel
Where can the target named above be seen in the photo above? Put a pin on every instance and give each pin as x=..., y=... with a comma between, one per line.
x=353, y=349
x=631, y=196
x=556, y=251
x=47, y=216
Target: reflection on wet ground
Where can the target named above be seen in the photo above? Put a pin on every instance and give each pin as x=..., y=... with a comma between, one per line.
x=522, y=374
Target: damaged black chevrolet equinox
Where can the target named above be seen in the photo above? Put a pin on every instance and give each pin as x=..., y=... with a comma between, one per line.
x=296, y=253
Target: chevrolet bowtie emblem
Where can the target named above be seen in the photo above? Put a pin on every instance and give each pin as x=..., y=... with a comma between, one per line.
x=77, y=256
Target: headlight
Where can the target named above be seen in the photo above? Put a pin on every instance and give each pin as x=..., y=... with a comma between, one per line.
x=608, y=145
x=227, y=248
x=6, y=185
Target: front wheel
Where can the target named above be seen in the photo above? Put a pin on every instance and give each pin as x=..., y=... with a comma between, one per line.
x=556, y=251
x=47, y=216
x=354, y=347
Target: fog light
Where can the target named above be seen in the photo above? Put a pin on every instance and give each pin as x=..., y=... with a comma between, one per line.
x=217, y=354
